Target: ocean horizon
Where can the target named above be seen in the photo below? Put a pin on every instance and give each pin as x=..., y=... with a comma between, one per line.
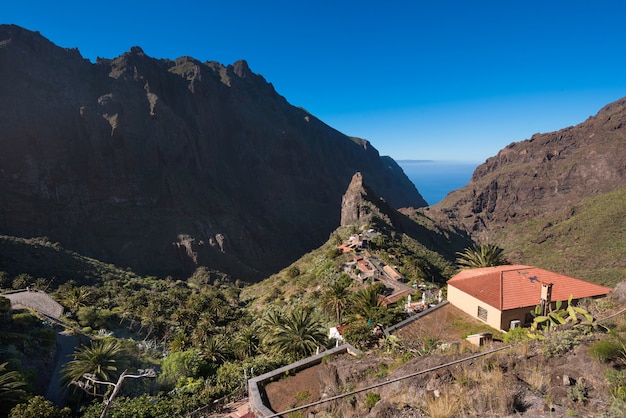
x=435, y=179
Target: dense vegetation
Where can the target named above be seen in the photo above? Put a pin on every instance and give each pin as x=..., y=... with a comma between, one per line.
x=205, y=334
x=201, y=335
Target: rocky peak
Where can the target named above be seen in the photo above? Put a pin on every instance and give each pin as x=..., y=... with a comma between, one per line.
x=166, y=165
x=360, y=205
x=353, y=203
x=242, y=69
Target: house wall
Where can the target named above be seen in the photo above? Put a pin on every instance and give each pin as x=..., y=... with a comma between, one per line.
x=520, y=314
x=470, y=304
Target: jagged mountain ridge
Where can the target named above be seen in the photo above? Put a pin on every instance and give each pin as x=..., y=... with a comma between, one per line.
x=165, y=165
x=549, y=200
x=543, y=174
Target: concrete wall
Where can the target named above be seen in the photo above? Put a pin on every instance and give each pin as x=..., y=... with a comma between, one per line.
x=255, y=385
x=413, y=318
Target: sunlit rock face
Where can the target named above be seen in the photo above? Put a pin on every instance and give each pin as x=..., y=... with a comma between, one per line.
x=546, y=174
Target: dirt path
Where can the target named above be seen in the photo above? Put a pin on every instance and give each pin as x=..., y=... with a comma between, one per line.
x=66, y=344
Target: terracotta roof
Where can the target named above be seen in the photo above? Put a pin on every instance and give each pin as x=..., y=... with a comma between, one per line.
x=364, y=265
x=393, y=273
x=517, y=286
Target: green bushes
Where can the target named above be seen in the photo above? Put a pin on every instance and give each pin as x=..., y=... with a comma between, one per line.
x=606, y=350
x=38, y=406
x=371, y=399
x=25, y=320
x=179, y=365
x=46, y=336
x=515, y=335
x=5, y=305
x=617, y=384
x=360, y=335
x=560, y=342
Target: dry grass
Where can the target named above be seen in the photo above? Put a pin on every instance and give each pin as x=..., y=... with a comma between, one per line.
x=479, y=390
x=446, y=405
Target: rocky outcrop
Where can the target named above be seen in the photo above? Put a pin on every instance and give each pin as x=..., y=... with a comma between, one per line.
x=167, y=165
x=545, y=174
x=354, y=204
x=360, y=207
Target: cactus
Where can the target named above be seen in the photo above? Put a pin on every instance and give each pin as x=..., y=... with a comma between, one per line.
x=576, y=316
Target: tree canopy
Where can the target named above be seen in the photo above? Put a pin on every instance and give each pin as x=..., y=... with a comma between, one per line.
x=483, y=255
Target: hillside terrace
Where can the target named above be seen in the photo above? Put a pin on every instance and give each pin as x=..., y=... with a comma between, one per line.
x=367, y=267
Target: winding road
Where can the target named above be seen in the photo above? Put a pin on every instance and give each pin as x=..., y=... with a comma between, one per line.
x=66, y=341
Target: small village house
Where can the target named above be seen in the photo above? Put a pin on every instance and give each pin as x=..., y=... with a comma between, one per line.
x=503, y=296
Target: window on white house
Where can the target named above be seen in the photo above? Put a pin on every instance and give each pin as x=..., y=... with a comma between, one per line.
x=482, y=313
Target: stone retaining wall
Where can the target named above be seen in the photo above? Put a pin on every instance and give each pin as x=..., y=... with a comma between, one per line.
x=255, y=385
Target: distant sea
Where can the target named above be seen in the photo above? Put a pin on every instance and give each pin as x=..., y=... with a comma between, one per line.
x=435, y=179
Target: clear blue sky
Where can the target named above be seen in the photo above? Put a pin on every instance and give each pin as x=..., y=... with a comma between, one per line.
x=438, y=79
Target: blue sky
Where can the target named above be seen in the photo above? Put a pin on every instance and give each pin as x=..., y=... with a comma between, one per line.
x=439, y=79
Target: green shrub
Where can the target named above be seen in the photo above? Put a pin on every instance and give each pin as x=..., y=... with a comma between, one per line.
x=25, y=320
x=229, y=377
x=371, y=399
x=293, y=272
x=38, y=406
x=89, y=316
x=515, y=335
x=359, y=334
x=578, y=392
x=607, y=350
x=301, y=396
x=46, y=336
x=5, y=305
x=560, y=342
x=617, y=385
x=177, y=365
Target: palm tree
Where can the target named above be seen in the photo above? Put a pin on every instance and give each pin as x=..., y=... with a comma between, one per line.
x=298, y=335
x=270, y=322
x=105, y=360
x=215, y=349
x=186, y=318
x=365, y=303
x=335, y=299
x=180, y=342
x=483, y=255
x=11, y=387
x=76, y=297
x=204, y=330
x=247, y=342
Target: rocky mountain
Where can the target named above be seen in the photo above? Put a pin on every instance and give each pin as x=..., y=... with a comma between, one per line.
x=553, y=194
x=545, y=173
x=166, y=165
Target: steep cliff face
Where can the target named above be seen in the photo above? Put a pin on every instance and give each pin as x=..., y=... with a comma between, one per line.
x=165, y=165
x=356, y=207
x=545, y=174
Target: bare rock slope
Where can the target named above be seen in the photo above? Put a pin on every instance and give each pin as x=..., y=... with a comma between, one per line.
x=165, y=165
x=544, y=174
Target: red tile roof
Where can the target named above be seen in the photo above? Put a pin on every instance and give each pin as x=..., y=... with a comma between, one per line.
x=517, y=286
x=364, y=265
